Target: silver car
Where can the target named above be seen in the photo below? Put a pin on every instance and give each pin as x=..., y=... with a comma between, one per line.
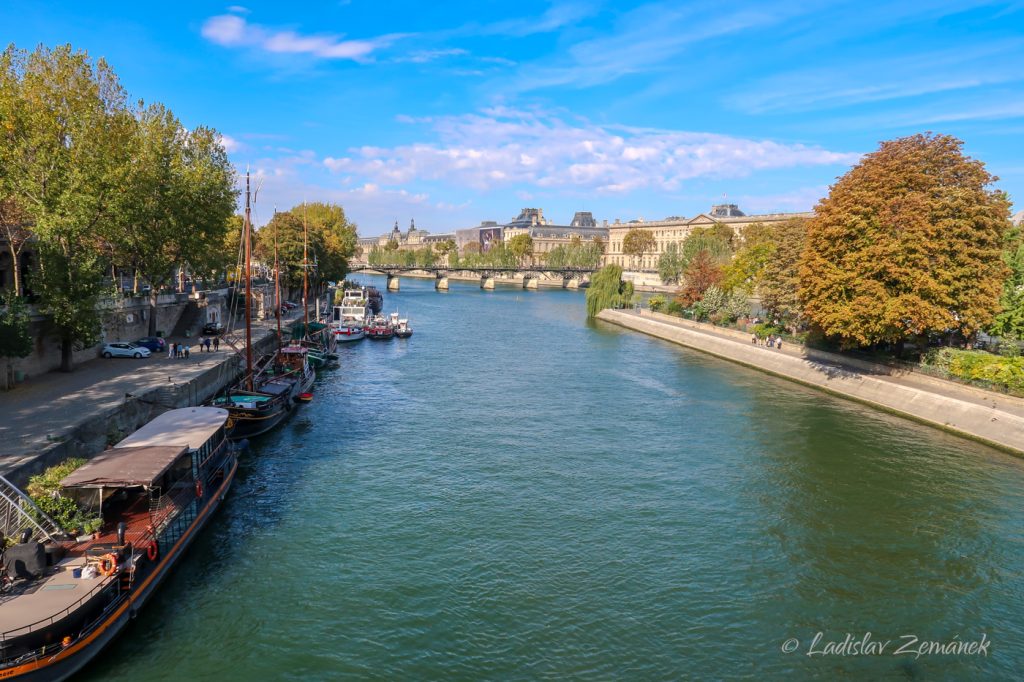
x=125, y=350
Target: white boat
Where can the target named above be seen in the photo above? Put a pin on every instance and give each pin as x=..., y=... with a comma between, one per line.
x=349, y=319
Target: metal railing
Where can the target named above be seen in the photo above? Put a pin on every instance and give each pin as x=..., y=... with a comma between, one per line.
x=19, y=513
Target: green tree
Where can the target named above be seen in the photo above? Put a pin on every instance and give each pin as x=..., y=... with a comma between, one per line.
x=607, y=290
x=779, y=284
x=637, y=242
x=16, y=231
x=710, y=240
x=15, y=334
x=670, y=264
x=65, y=135
x=446, y=248
x=908, y=242
x=336, y=235
x=521, y=247
x=175, y=203
x=743, y=272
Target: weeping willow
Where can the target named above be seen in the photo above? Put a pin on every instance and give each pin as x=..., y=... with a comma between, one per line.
x=606, y=290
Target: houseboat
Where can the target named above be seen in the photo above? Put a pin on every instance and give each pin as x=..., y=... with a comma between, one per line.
x=154, y=491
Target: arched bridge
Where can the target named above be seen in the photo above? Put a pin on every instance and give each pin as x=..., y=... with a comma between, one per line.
x=571, y=278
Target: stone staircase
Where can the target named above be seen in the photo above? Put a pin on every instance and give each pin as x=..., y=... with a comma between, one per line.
x=188, y=324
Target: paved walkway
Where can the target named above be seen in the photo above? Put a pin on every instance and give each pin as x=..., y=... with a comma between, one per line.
x=970, y=394
x=38, y=412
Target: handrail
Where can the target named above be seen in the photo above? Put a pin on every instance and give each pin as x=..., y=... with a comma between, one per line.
x=13, y=501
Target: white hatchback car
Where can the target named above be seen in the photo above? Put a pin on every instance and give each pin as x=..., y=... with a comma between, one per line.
x=125, y=350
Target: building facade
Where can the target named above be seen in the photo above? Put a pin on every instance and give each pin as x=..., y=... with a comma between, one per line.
x=547, y=236
x=675, y=230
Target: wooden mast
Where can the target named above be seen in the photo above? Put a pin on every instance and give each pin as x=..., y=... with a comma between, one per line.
x=248, y=287
x=277, y=289
x=305, y=276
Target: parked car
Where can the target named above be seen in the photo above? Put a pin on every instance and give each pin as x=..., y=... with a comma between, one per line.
x=213, y=329
x=121, y=349
x=153, y=343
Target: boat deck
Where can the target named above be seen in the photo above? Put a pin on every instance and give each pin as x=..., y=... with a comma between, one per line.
x=32, y=604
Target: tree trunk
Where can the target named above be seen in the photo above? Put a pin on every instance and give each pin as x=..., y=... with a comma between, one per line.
x=66, y=354
x=9, y=377
x=152, y=311
x=899, y=349
x=16, y=267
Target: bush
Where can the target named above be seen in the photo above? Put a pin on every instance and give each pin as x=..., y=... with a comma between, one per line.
x=656, y=303
x=44, y=489
x=978, y=365
x=674, y=308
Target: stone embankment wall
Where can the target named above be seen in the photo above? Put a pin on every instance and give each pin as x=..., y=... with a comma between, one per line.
x=981, y=415
x=95, y=431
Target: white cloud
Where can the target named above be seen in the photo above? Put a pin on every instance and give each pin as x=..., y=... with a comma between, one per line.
x=230, y=30
x=501, y=147
x=230, y=144
x=424, y=56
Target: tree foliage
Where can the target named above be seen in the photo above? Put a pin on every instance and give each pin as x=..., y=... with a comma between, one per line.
x=743, y=272
x=779, y=283
x=65, y=135
x=637, y=242
x=908, y=242
x=521, y=246
x=15, y=336
x=575, y=254
x=670, y=264
x=607, y=290
x=701, y=273
x=1009, y=322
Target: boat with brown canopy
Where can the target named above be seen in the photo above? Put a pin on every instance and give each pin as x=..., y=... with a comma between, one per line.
x=67, y=597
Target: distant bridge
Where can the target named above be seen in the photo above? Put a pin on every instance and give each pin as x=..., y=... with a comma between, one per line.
x=571, y=278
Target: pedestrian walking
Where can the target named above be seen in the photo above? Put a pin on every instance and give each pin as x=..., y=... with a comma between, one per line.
x=209, y=345
x=216, y=343
x=778, y=343
x=170, y=350
x=186, y=351
x=753, y=339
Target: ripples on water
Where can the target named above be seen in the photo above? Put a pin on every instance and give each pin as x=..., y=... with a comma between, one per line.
x=514, y=493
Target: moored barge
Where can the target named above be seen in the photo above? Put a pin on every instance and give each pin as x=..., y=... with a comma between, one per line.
x=154, y=490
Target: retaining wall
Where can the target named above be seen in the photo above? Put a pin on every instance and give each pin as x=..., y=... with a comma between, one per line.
x=972, y=419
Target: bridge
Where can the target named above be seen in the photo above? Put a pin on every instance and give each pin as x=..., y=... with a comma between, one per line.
x=571, y=278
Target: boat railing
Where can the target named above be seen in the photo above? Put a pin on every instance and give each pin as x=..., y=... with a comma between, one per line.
x=53, y=618
x=19, y=513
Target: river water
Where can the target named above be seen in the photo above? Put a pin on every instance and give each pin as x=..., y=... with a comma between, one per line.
x=516, y=493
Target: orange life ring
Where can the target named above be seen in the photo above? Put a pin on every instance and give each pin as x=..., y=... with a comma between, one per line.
x=153, y=551
x=199, y=488
x=108, y=564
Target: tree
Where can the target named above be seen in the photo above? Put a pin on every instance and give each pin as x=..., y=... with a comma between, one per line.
x=670, y=264
x=336, y=234
x=286, y=228
x=908, y=242
x=637, y=242
x=1009, y=322
x=15, y=230
x=15, y=337
x=607, y=290
x=471, y=247
x=391, y=245
x=599, y=243
x=701, y=273
x=743, y=273
x=710, y=240
x=65, y=132
x=176, y=201
x=446, y=248
x=779, y=284
x=521, y=247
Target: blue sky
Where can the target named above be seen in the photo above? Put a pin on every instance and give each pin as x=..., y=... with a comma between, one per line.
x=453, y=113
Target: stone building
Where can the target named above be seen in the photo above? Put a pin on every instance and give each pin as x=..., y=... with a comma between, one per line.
x=676, y=229
x=547, y=236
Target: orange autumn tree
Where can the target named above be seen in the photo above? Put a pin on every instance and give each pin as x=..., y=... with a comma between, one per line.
x=907, y=243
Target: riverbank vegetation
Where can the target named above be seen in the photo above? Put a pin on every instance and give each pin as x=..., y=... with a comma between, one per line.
x=45, y=491
x=912, y=248
x=330, y=241
x=95, y=185
x=608, y=290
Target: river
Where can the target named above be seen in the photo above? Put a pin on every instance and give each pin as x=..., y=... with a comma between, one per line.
x=516, y=493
